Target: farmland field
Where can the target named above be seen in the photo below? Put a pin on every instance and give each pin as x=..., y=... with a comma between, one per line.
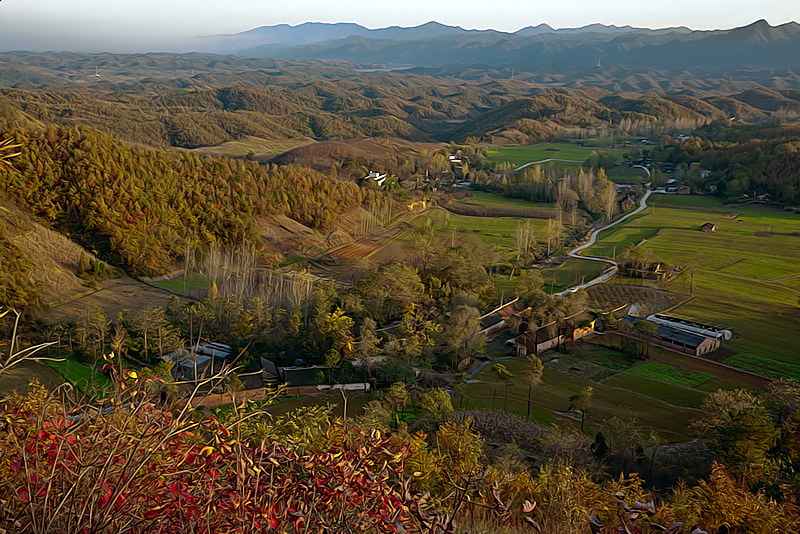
x=679, y=396
x=483, y=198
x=737, y=277
x=676, y=375
x=520, y=155
x=551, y=399
x=687, y=201
x=573, y=272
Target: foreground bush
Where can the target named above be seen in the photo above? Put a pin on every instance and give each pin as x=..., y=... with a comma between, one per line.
x=133, y=467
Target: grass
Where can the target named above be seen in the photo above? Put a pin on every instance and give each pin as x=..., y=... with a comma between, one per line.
x=669, y=393
x=572, y=272
x=764, y=314
x=623, y=236
x=710, y=202
x=520, y=155
x=176, y=285
x=553, y=396
x=491, y=200
x=765, y=366
x=92, y=383
x=498, y=231
x=675, y=375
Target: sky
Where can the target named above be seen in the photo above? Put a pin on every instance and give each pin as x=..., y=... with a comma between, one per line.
x=165, y=25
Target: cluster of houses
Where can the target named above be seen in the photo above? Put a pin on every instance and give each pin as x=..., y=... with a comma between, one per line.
x=207, y=363
x=672, y=332
x=545, y=337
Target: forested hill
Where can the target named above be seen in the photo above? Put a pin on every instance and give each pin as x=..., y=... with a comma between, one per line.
x=413, y=108
x=142, y=207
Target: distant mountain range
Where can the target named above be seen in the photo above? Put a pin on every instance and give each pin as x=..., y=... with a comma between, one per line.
x=434, y=44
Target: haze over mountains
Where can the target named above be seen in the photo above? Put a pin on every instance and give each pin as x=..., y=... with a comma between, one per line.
x=434, y=44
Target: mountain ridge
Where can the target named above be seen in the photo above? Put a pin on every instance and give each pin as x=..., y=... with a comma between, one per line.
x=434, y=44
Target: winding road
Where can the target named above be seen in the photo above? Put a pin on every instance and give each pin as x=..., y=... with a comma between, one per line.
x=611, y=271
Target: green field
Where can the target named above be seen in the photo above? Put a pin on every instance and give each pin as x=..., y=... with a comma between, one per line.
x=491, y=200
x=498, y=231
x=710, y=202
x=735, y=271
x=176, y=285
x=765, y=366
x=667, y=373
x=91, y=382
x=679, y=396
x=622, y=237
x=520, y=155
x=573, y=272
x=553, y=396
x=607, y=357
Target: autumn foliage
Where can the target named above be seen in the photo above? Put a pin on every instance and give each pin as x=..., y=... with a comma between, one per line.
x=137, y=468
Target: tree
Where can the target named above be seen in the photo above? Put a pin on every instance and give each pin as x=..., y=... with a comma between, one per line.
x=691, y=267
x=437, y=405
x=582, y=401
x=15, y=355
x=742, y=432
x=395, y=397
x=502, y=374
x=533, y=377
x=529, y=286
x=610, y=201
x=650, y=330
x=552, y=231
x=525, y=238
x=463, y=332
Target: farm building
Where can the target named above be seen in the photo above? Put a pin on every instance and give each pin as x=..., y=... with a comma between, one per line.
x=575, y=328
x=203, y=361
x=709, y=227
x=681, y=339
x=495, y=320
x=686, y=341
x=378, y=177
x=625, y=202
x=527, y=344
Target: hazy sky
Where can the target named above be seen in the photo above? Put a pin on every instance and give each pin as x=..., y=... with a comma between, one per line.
x=149, y=25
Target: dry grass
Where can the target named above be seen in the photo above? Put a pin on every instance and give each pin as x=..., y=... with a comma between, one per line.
x=53, y=256
x=258, y=146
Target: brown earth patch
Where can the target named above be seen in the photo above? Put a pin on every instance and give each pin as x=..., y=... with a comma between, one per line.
x=19, y=377
x=608, y=297
x=113, y=296
x=764, y=233
x=326, y=154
